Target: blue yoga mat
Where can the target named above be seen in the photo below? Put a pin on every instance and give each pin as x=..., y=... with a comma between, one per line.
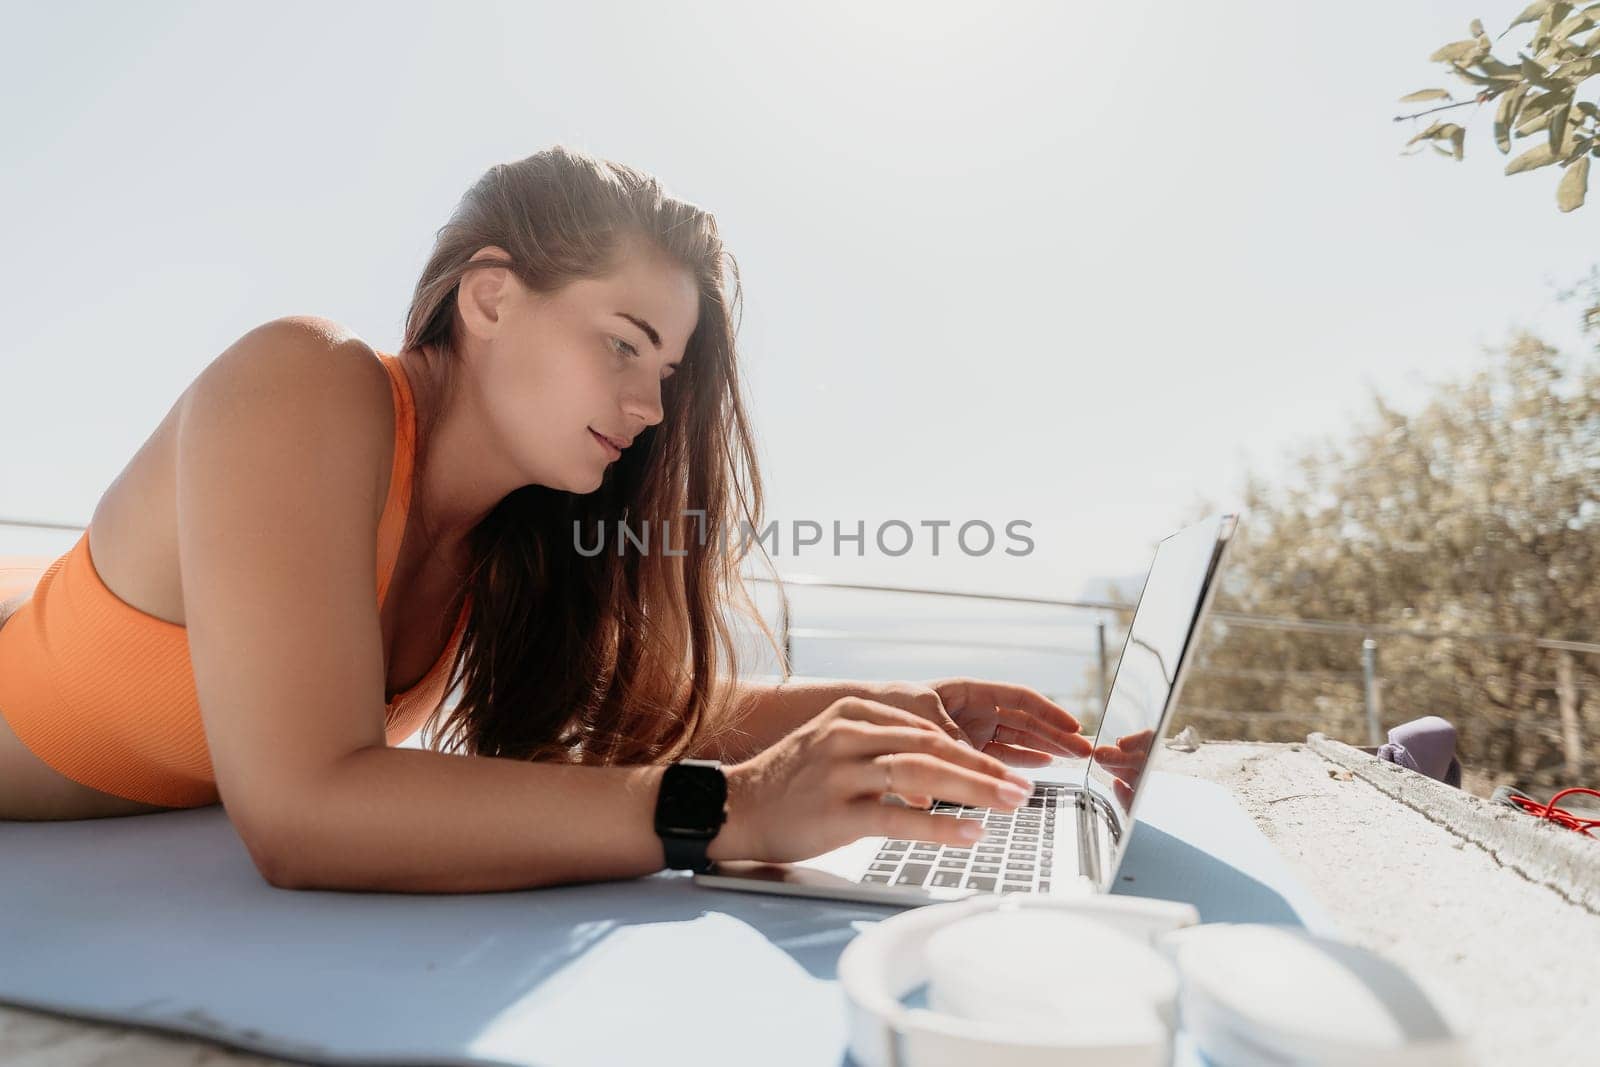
x=162, y=921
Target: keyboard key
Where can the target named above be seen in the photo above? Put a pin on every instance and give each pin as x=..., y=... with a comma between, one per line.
x=889, y=867
x=926, y=845
x=896, y=846
x=913, y=874
x=985, y=868
x=875, y=879
x=946, y=878
x=1044, y=886
x=891, y=856
x=977, y=882
x=948, y=864
x=924, y=857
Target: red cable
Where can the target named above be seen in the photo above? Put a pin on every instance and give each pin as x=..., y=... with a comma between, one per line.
x=1560, y=816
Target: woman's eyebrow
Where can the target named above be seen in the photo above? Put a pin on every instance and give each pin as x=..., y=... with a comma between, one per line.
x=649, y=330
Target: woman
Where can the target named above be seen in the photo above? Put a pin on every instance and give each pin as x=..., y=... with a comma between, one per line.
x=568, y=360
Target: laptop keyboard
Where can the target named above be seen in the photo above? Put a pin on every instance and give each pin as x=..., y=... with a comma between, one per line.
x=1013, y=856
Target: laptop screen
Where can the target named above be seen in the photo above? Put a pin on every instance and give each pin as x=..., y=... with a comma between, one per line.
x=1164, y=622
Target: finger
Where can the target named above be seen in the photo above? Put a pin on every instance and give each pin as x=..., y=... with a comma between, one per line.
x=881, y=740
x=887, y=715
x=944, y=722
x=1020, y=697
x=1138, y=742
x=1019, y=728
x=924, y=774
x=1112, y=756
x=1017, y=756
x=951, y=727
x=912, y=825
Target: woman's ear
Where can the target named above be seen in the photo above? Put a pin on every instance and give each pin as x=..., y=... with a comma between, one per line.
x=482, y=294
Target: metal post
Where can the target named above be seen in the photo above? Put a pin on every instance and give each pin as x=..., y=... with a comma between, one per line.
x=1369, y=674
x=1100, y=653
x=1571, y=725
x=783, y=622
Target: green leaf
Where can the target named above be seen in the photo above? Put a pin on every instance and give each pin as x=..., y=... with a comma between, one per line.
x=1429, y=133
x=1504, y=115
x=1536, y=73
x=1476, y=79
x=1424, y=94
x=1533, y=124
x=1574, y=185
x=1499, y=71
x=1455, y=50
x=1475, y=28
x=1531, y=13
x=1577, y=23
x=1547, y=23
x=1577, y=70
x=1580, y=146
x=1458, y=140
x=1558, y=128
x=1540, y=104
x=1532, y=159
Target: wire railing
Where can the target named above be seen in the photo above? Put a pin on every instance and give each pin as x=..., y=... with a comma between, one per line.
x=1112, y=613
x=1367, y=672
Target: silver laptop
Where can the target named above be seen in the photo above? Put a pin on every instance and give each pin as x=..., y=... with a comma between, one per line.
x=1070, y=836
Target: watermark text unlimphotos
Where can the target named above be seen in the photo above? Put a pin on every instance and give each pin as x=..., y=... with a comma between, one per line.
x=892, y=537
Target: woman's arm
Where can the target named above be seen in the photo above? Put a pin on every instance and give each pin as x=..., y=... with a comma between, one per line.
x=413, y=821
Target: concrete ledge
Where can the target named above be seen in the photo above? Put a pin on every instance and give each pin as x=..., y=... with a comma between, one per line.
x=1543, y=853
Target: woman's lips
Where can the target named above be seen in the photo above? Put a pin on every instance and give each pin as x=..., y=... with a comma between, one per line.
x=611, y=450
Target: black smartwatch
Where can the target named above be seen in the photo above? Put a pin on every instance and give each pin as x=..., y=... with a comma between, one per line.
x=690, y=809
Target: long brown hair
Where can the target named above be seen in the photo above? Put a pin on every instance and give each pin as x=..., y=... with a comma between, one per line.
x=614, y=657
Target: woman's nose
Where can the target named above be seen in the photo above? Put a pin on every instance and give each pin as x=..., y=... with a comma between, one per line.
x=646, y=403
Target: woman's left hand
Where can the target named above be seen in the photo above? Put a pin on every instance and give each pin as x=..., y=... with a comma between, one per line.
x=1013, y=723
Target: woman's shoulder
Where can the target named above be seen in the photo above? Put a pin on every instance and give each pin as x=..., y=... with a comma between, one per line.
x=309, y=366
x=300, y=377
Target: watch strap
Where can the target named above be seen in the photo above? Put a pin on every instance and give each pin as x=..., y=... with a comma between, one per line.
x=686, y=853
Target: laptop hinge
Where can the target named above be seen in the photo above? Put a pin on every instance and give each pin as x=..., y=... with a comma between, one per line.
x=1088, y=840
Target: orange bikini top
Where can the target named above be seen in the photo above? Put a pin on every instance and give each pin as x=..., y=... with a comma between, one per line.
x=105, y=693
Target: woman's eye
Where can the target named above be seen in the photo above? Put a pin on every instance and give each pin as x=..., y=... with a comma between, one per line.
x=631, y=353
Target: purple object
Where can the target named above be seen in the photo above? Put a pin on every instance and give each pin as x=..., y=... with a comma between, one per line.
x=1427, y=746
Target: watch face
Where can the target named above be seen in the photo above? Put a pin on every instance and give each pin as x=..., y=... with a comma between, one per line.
x=692, y=799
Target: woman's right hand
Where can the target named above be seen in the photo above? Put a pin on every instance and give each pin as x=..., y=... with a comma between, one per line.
x=822, y=786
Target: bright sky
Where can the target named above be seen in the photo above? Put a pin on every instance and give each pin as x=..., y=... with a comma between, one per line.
x=1079, y=265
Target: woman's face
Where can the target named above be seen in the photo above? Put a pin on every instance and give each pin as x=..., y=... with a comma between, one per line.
x=559, y=373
